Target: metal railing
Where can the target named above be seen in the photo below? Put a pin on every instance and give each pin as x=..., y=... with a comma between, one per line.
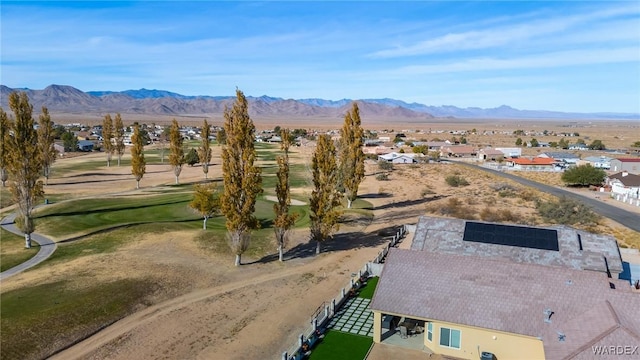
x=325, y=312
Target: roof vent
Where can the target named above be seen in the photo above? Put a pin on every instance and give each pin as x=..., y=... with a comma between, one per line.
x=561, y=336
x=569, y=282
x=547, y=315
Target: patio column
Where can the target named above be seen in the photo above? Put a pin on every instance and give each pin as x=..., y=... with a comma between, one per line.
x=377, y=327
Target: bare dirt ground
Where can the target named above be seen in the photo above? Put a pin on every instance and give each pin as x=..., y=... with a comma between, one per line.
x=209, y=309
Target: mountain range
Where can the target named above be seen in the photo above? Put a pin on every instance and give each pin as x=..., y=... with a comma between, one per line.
x=67, y=99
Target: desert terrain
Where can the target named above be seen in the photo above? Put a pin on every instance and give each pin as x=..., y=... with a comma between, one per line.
x=203, y=307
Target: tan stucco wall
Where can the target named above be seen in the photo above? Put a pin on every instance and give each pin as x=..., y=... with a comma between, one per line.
x=377, y=326
x=474, y=340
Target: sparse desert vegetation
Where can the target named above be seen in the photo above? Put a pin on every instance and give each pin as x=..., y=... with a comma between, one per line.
x=148, y=246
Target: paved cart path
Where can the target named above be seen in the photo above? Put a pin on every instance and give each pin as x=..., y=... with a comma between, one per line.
x=47, y=247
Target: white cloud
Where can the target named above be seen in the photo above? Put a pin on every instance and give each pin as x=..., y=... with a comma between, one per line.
x=507, y=34
x=543, y=60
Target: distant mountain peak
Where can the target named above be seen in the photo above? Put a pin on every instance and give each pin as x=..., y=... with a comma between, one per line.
x=66, y=98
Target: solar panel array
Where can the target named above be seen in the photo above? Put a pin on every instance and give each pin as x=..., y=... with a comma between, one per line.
x=533, y=238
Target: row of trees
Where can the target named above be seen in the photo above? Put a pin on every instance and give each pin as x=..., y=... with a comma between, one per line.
x=563, y=144
x=26, y=155
x=242, y=180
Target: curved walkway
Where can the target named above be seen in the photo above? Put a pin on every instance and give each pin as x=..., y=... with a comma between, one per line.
x=624, y=217
x=47, y=247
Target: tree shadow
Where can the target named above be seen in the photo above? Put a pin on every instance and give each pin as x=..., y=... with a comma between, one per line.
x=405, y=203
x=98, y=211
x=89, y=181
x=339, y=242
x=381, y=195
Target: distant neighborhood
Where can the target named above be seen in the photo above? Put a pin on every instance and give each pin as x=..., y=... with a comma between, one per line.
x=621, y=163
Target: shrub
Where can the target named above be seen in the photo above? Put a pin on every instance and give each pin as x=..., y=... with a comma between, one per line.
x=500, y=215
x=566, y=211
x=382, y=177
x=385, y=165
x=456, y=181
x=427, y=191
x=454, y=208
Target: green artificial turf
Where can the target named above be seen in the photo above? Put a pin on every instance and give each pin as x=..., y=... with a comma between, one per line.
x=337, y=345
x=367, y=291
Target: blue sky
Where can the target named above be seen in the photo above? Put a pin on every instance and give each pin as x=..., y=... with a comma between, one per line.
x=568, y=56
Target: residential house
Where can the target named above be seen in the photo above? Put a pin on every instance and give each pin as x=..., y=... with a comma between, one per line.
x=436, y=145
x=59, y=148
x=491, y=291
x=578, y=147
x=563, y=159
x=490, y=154
x=511, y=152
x=598, y=162
x=85, y=145
x=535, y=164
x=632, y=165
x=398, y=158
x=458, y=151
x=624, y=186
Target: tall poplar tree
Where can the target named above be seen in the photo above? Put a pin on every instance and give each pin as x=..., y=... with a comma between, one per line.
x=287, y=141
x=351, y=155
x=176, y=152
x=325, y=198
x=24, y=163
x=138, y=163
x=119, y=135
x=241, y=178
x=4, y=153
x=107, y=134
x=283, y=220
x=46, y=139
x=204, y=152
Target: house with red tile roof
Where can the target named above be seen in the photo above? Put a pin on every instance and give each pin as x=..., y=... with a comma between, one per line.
x=534, y=164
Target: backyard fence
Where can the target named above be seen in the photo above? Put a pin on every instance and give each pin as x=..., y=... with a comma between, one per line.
x=326, y=311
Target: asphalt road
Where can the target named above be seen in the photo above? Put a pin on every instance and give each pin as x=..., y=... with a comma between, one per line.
x=47, y=247
x=624, y=217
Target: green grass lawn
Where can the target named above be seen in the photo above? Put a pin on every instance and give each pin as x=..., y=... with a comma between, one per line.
x=12, y=251
x=36, y=319
x=337, y=345
x=87, y=216
x=367, y=291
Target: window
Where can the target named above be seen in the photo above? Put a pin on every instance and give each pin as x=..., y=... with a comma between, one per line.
x=450, y=338
x=430, y=331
